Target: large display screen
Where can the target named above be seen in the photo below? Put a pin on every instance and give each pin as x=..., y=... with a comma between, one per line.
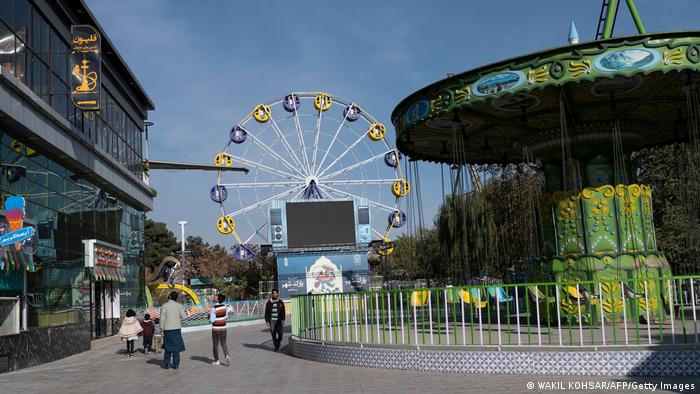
x=320, y=273
x=320, y=223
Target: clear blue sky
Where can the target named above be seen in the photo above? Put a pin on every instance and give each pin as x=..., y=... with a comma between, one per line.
x=206, y=63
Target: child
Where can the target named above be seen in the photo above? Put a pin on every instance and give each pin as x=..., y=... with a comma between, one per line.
x=148, y=330
x=130, y=330
x=157, y=337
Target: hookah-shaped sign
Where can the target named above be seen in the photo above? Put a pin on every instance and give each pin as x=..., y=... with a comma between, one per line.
x=85, y=48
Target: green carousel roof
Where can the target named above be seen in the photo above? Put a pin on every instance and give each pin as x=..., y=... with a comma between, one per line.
x=639, y=82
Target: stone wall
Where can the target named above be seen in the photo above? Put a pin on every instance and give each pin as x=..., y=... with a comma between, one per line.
x=43, y=345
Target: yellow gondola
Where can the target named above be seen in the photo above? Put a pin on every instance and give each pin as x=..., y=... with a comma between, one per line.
x=322, y=102
x=261, y=113
x=400, y=188
x=376, y=131
x=223, y=159
x=225, y=225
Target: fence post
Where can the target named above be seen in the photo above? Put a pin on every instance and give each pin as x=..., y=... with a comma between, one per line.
x=388, y=303
x=580, y=321
x=464, y=334
x=695, y=319
x=670, y=307
x=602, y=315
x=481, y=327
x=323, y=320
x=447, y=320
x=646, y=298
x=624, y=311
x=430, y=315
x=537, y=310
x=517, y=313
x=556, y=300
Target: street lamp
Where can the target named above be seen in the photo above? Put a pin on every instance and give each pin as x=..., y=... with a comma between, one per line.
x=182, y=224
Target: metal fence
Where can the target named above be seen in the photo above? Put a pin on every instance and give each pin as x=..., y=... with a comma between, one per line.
x=629, y=312
x=199, y=314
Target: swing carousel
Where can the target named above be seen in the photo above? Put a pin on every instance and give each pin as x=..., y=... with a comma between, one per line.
x=574, y=114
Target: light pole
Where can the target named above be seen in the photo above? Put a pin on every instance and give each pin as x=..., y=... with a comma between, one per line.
x=182, y=224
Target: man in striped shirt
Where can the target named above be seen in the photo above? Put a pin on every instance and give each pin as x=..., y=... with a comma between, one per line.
x=274, y=317
x=217, y=316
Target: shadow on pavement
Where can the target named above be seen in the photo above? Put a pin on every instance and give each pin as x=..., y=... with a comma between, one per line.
x=203, y=359
x=155, y=361
x=287, y=329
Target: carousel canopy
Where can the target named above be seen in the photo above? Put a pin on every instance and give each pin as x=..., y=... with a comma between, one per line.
x=494, y=113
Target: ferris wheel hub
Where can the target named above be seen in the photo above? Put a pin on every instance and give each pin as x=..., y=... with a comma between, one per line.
x=309, y=179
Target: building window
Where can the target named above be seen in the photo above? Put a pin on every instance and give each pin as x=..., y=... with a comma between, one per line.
x=35, y=53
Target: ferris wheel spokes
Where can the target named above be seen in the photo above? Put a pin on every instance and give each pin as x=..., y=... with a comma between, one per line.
x=318, y=134
x=274, y=154
x=371, y=202
x=288, y=147
x=353, y=166
x=300, y=135
x=265, y=201
x=335, y=136
x=273, y=171
x=249, y=185
x=360, y=182
x=337, y=159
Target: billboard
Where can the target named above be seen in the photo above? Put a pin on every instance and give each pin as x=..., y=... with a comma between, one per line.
x=320, y=223
x=321, y=273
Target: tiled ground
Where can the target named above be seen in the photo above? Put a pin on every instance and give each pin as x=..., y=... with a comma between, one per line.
x=257, y=369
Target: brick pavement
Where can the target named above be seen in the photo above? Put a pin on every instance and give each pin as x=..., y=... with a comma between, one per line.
x=257, y=369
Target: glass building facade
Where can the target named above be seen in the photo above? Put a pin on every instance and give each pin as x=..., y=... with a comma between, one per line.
x=33, y=51
x=80, y=176
x=67, y=209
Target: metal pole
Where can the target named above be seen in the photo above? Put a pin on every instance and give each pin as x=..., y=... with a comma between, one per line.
x=182, y=224
x=23, y=304
x=635, y=16
x=610, y=18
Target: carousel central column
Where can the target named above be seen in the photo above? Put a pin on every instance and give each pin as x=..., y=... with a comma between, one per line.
x=601, y=231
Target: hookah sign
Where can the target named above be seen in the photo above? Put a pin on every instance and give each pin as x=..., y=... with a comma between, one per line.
x=85, y=49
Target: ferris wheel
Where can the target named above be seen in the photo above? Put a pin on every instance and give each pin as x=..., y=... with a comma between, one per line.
x=305, y=147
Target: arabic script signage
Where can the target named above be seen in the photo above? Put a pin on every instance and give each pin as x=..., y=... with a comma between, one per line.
x=98, y=253
x=86, y=71
x=16, y=236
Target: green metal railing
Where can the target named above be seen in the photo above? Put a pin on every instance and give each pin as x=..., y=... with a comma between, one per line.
x=616, y=312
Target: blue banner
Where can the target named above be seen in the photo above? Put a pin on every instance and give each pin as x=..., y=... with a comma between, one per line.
x=321, y=273
x=16, y=236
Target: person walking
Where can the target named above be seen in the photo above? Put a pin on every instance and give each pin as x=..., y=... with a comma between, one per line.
x=171, y=314
x=129, y=331
x=149, y=328
x=157, y=336
x=274, y=318
x=217, y=316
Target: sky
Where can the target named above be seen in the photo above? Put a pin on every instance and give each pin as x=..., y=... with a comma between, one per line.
x=206, y=63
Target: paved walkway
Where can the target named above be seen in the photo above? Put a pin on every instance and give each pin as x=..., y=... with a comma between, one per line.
x=257, y=369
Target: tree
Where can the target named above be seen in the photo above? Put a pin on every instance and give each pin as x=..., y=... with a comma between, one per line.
x=672, y=173
x=159, y=242
x=237, y=280
x=195, y=248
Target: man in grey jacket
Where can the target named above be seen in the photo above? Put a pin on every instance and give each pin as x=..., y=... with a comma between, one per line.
x=171, y=314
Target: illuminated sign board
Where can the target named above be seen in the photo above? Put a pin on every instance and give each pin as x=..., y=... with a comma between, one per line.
x=86, y=67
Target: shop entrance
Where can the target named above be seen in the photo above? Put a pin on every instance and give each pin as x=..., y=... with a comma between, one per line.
x=103, y=304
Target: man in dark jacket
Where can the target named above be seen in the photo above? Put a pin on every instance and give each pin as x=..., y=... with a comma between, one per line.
x=274, y=317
